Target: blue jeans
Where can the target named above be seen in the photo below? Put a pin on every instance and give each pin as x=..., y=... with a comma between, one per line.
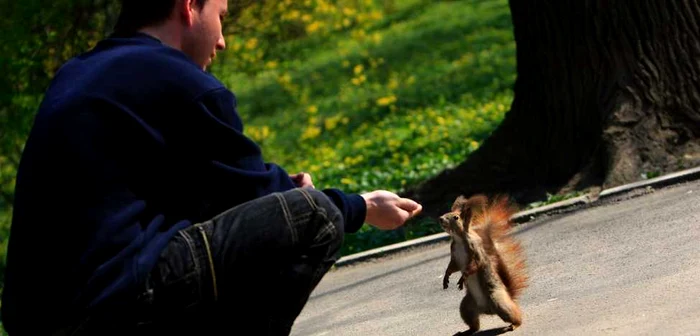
x=248, y=271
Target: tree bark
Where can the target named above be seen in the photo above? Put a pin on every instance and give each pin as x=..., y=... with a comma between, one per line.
x=606, y=91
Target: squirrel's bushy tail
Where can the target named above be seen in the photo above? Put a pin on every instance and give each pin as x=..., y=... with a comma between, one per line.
x=495, y=222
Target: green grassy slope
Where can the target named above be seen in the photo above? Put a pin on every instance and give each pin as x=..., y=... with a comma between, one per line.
x=384, y=106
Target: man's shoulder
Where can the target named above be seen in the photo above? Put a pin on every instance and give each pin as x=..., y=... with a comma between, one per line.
x=141, y=61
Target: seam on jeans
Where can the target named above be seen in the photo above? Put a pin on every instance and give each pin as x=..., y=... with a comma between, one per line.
x=193, y=252
x=211, y=261
x=329, y=228
x=309, y=199
x=79, y=329
x=287, y=217
x=301, y=218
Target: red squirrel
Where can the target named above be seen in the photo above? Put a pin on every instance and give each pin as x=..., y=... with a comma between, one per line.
x=490, y=260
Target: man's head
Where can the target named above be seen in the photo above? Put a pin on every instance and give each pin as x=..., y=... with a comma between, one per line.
x=192, y=26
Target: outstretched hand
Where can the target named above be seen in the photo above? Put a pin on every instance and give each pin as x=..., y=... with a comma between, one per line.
x=388, y=211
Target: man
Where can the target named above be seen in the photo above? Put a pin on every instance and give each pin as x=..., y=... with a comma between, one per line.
x=141, y=208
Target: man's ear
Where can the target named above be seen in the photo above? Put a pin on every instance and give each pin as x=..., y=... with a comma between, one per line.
x=184, y=11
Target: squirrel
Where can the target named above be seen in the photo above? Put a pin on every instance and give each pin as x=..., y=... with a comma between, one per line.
x=491, y=262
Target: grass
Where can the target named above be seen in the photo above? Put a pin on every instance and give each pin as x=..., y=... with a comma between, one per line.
x=384, y=105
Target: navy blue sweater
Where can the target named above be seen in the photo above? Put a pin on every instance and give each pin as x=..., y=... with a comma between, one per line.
x=133, y=142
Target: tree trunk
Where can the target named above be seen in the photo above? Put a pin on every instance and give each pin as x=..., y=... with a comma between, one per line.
x=606, y=91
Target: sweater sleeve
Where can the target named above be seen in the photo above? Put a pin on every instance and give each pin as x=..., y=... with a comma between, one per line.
x=238, y=159
x=352, y=206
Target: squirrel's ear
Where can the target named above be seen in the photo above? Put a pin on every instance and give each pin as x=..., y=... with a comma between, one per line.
x=457, y=205
x=465, y=213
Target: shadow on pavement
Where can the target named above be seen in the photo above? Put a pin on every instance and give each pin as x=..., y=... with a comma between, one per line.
x=490, y=332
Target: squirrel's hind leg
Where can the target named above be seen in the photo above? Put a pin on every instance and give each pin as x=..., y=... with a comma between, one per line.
x=507, y=309
x=470, y=314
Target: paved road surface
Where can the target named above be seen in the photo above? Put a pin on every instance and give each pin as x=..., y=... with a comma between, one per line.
x=625, y=268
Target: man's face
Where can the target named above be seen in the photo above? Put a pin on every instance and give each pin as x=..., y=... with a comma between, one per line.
x=205, y=36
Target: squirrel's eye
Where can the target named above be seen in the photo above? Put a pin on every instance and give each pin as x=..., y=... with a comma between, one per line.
x=455, y=217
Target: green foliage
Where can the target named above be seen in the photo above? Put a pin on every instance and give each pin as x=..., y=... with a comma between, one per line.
x=650, y=175
x=552, y=198
x=35, y=40
x=380, y=103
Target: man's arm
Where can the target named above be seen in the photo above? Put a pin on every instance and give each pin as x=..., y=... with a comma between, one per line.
x=242, y=174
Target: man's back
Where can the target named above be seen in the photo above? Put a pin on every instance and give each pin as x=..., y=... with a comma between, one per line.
x=129, y=146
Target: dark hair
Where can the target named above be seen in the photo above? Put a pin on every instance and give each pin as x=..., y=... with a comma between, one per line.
x=136, y=14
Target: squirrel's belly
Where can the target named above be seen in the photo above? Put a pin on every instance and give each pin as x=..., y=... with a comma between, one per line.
x=475, y=289
x=460, y=256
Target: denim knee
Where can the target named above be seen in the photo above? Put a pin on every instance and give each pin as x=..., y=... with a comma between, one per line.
x=326, y=205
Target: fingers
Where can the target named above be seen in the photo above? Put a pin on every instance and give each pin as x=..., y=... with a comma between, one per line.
x=306, y=181
x=410, y=206
x=388, y=211
x=403, y=210
x=302, y=180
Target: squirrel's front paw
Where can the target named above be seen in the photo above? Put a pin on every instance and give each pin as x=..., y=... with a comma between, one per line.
x=460, y=283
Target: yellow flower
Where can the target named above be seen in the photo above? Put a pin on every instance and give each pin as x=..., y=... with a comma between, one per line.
x=252, y=43
x=358, y=69
x=293, y=15
x=346, y=180
x=312, y=109
x=474, y=145
x=313, y=27
x=384, y=101
x=285, y=79
x=332, y=122
x=393, y=84
x=311, y=132
x=361, y=143
x=358, y=80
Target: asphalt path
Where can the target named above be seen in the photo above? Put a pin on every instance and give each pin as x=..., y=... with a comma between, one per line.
x=627, y=267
